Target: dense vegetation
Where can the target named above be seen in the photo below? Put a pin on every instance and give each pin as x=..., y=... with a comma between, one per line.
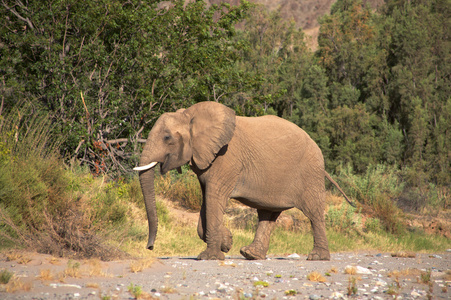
x=86, y=81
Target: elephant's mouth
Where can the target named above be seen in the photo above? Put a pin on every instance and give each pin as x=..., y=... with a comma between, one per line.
x=165, y=166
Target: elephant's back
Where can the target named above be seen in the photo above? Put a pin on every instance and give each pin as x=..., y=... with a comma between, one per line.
x=271, y=127
x=275, y=137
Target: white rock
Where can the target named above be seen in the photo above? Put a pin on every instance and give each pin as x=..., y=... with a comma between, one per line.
x=337, y=295
x=294, y=255
x=363, y=271
x=380, y=282
x=222, y=288
x=415, y=294
x=55, y=285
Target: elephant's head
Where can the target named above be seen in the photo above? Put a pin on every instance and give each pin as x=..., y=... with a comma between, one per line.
x=193, y=135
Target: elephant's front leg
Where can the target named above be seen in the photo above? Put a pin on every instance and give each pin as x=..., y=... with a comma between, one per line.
x=259, y=247
x=227, y=240
x=211, y=228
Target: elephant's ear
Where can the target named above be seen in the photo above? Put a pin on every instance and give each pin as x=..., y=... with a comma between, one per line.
x=212, y=126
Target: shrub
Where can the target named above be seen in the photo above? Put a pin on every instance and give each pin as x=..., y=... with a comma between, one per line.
x=39, y=209
x=5, y=276
x=183, y=188
x=377, y=191
x=341, y=218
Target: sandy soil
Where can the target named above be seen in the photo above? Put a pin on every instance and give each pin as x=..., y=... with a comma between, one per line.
x=234, y=278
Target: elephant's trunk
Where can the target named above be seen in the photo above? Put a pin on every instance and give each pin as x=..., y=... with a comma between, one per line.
x=146, y=178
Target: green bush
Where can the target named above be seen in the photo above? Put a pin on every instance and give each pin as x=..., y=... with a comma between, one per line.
x=5, y=276
x=183, y=188
x=342, y=219
x=377, y=190
x=43, y=205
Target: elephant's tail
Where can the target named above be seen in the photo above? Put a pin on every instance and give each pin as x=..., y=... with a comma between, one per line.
x=339, y=188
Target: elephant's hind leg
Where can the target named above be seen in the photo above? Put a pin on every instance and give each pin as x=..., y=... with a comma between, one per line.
x=320, y=245
x=260, y=245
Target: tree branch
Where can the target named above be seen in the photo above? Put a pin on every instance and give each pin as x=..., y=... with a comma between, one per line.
x=11, y=9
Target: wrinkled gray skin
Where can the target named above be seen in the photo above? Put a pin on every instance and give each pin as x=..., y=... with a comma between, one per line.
x=264, y=162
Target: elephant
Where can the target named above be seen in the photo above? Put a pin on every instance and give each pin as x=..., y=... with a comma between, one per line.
x=266, y=162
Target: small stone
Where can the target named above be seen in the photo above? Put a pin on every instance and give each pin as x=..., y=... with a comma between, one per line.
x=415, y=294
x=380, y=282
x=337, y=295
x=77, y=295
x=153, y=290
x=157, y=294
x=222, y=288
x=294, y=256
x=314, y=297
x=363, y=271
x=247, y=295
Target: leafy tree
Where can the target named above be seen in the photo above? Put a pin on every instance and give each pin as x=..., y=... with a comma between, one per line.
x=105, y=70
x=420, y=86
x=275, y=57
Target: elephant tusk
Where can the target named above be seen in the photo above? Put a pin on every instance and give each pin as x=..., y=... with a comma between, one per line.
x=146, y=167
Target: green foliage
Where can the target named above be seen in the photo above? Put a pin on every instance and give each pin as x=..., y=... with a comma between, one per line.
x=183, y=188
x=377, y=190
x=274, y=57
x=46, y=207
x=135, y=290
x=5, y=276
x=378, y=182
x=261, y=283
x=106, y=70
x=342, y=219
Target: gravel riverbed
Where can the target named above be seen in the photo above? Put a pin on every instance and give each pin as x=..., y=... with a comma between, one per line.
x=373, y=276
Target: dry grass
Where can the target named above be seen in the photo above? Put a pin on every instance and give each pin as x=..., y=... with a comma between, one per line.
x=351, y=270
x=46, y=275
x=224, y=263
x=168, y=290
x=92, y=285
x=141, y=264
x=54, y=261
x=405, y=273
x=333, y=270
x=16, y=284
x=94, y=269
x=72, y=270
x=405, y=254
x=447, y=275
x=316, y=276
x=18, y=257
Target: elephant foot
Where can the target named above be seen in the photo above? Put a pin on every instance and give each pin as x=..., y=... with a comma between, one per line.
x=252, y=253
x=211, y=255
x=227, y=242
x=319, y=254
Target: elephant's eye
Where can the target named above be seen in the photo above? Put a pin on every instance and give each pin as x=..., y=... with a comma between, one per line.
x=167, y=138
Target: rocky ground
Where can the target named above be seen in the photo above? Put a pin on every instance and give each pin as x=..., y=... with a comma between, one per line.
x=346, y=275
